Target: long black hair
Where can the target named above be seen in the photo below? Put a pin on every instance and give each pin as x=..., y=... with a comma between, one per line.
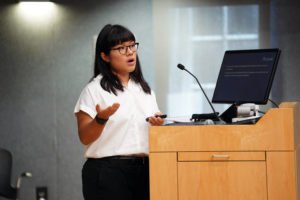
x=109, y=36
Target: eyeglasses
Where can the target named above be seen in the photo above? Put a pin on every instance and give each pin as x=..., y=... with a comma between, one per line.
x=123, y=49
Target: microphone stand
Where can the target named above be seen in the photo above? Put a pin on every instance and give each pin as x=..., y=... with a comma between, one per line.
x=197, y=117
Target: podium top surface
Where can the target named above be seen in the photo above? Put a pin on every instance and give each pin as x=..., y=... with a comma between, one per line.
x=277, y=130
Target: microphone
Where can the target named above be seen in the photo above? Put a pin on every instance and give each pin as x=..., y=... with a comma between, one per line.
x=216, y=115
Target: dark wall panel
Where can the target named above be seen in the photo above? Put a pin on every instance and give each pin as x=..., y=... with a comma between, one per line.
x=285, y=34
x=44, y=64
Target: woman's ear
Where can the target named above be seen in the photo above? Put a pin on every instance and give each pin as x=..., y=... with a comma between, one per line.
x=104, y=57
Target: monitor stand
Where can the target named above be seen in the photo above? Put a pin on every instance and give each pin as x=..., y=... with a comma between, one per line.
x=230, y=113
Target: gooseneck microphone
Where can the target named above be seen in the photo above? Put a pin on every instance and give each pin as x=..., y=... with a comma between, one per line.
x=180, y=66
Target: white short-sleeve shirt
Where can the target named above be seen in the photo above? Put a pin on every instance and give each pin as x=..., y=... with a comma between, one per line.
x=126, y=131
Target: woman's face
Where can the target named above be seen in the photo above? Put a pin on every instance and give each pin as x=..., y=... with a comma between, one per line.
x=122, y=63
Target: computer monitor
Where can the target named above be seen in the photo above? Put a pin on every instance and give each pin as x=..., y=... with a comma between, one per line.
x=246, y=76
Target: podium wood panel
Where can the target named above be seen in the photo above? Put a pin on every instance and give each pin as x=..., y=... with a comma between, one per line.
x=222, y=180
x=281, y=175
x=221, y=156
x=274, y=131
x=163, y=176
x=182, y=159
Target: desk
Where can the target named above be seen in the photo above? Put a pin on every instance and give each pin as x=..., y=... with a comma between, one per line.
x=228, y=162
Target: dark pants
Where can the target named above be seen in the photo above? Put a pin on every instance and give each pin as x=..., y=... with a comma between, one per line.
x=116, y=178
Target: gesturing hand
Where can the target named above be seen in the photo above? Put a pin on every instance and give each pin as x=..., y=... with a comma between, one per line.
x=107, y=112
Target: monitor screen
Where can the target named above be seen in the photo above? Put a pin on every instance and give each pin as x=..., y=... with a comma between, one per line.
x=246, y=76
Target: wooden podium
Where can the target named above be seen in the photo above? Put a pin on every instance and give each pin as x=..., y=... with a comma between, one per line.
x=228, y=162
